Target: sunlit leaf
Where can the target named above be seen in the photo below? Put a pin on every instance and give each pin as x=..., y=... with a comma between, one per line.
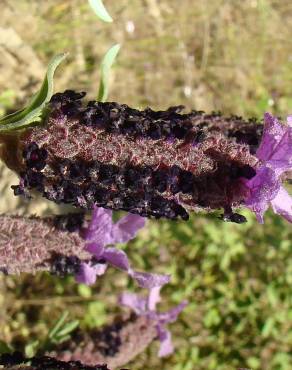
x=100, y=10
x=67, y=329
x=84, y=290
x=61, y=339
x=106, y=65
x=31, y=348
x=59, y=324
x=32, y=113
x=268, y=327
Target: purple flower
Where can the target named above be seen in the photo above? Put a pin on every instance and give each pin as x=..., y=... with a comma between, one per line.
x=146, y=306
x=275, y=158
x=101, y=232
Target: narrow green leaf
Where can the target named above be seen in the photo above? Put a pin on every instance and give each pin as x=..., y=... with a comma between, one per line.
x=58, y=325
x=100, y=10
x=106, y=65
x=47, y=88
x=32, y=113
x=61, y=340
x=268, y=327
x=67, y=329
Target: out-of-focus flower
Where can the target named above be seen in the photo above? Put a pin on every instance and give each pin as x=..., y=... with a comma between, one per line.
x=65, y=245
x=102, y=231
x=115, y=344
x=32, y=244
x=146, y=306
x=275, y=158
x=16, y=360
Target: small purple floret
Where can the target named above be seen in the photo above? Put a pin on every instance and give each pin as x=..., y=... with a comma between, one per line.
x=275, y=158
x=146, y=306
x=88, y=272
x=100, y=233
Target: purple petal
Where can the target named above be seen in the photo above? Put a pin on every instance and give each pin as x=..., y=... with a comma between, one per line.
x=100, y=227
x=126, y=228
x=154, y=298
x=88, y=273
x=116, y=258
x=263, y=188
x=275, y=149
x=289, y=121
x=166, y=346
x=273, y=132
x=171, y=315
x=148, y=281
x=95, y=248
x=281, y=160
x=282, y=204
x=133, y=301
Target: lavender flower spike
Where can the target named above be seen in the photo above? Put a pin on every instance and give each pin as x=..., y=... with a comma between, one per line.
x=34, y=244
x=17, y=361
x=115, y=344
x=275, y=158
x=102, y=231
x=65, y=245
x=151, y=163
x=146, y=306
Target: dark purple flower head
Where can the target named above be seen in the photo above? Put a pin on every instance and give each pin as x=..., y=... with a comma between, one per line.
x=275, y=158
x=146, y=306
x=17, y=360
x=100, y=233
x=151, y=163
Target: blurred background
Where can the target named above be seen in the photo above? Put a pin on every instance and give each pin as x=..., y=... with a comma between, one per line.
x=233, y=56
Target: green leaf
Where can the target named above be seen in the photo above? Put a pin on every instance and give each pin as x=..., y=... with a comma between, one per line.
x=67, y=329
x=96, y=314
x=100, y=10
x=5, y=348
x=58, y=325
x=32, y=113
x=106, y=65
x=6, y=98
x=31, y=348
x=61, y=339
x=84, y=291
x=268, y=327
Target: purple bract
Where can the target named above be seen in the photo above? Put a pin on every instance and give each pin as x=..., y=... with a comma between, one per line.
x=275, y=158
x=100, y=233
x=146, y=306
